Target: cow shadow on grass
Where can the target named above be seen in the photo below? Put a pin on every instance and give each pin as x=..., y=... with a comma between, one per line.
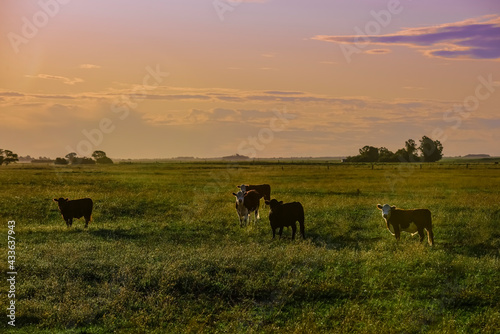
x=352, y=240
x=104, y=233
x=352, y=193
x=116, y=234
x=474, y=250
x=27, y=320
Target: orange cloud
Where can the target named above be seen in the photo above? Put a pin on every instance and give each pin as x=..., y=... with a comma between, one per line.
x=377, y=51
x=64, y=80
x=89, y=66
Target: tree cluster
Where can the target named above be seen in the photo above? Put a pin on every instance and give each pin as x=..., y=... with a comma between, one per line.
x=72, y=158
x=428, y=151
x=6, y=157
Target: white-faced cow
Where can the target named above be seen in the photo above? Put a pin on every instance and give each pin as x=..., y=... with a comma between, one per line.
x=246, y=202
x=264, y=190
x=412, y=221
x=286, y=214
x=75, y=209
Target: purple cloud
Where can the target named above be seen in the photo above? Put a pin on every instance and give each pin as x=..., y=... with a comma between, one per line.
x=477, y=38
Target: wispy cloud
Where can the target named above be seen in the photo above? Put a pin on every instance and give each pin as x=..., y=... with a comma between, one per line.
x=64, y=80
x=268, y=55
x=89, y=66
x=476, y=38
x=12, y=94
x=378, y=51
x=280, y=92
x=175, y=97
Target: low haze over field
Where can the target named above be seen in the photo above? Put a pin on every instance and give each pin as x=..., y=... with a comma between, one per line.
x=147, y=79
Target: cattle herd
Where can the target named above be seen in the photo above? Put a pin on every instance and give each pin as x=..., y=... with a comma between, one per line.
x=280, y=214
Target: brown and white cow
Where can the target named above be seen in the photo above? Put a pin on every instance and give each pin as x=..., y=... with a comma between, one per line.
x=246, y=202
x=412, y=221
x=75, y=209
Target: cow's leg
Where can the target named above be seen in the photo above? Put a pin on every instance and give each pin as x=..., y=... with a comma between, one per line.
x=280, y=231
x=68, y=224
x=257, y=216
x=430, y=236
x=301, y=223
x=421, y=234
x=294, y=229
x=240, y=218
x=274, y=232
x=397, y=232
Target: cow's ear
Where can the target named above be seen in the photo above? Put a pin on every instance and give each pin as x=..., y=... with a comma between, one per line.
x=281, y=202
x=238, y=187
x=56, y=200
x=267, y=202
x=379, y=206
x=393, y=207
x=235, y=195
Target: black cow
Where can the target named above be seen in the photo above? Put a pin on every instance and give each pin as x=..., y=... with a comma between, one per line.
x=287, y=214
x=75, y=209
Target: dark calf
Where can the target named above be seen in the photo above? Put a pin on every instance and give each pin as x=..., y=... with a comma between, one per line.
x=75, y=209
x=286, y=214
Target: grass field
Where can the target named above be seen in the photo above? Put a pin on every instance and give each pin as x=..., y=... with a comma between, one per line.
x=165, y=252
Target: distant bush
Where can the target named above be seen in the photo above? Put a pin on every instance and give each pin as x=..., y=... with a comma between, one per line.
x=104, y=160
x=61, y=161
x=83, y=161
x=101, y=158
x=98, y=157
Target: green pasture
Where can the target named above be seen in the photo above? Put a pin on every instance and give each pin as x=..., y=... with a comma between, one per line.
x=165, y=252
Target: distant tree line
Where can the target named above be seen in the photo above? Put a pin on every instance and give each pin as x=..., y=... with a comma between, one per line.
x=428, y=151
x=72, y=158
x=6, y=157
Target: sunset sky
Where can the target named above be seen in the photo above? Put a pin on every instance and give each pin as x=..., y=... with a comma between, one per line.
x=264, y=78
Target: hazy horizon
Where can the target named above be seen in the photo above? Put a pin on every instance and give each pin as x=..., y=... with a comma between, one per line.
x=262, y=78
